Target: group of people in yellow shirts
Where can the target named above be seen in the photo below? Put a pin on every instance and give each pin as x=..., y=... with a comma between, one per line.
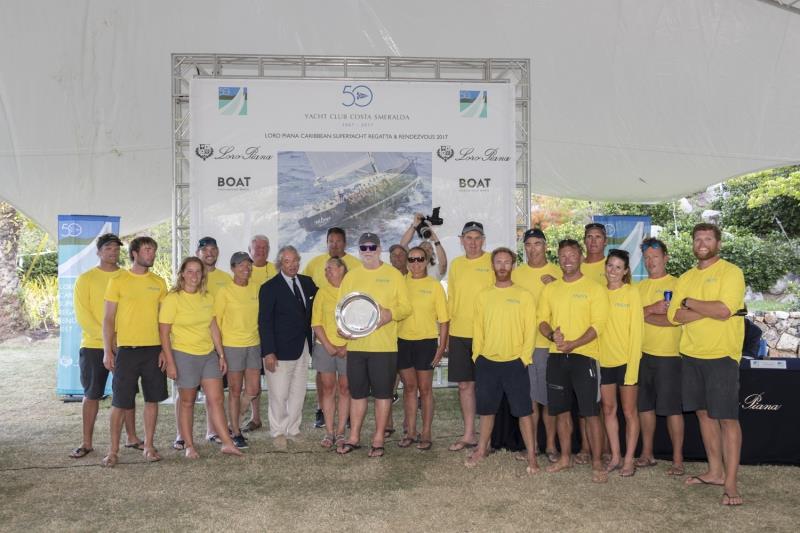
x=542, y=335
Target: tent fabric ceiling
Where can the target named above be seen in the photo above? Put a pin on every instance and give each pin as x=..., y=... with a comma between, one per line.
x=632, y=100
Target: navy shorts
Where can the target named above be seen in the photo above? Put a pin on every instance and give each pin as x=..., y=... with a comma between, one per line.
x=573, y=374
x=493, y=378
x=711, y=385
x=132, y=363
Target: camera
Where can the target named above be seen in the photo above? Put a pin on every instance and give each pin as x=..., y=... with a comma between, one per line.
x=423, y=228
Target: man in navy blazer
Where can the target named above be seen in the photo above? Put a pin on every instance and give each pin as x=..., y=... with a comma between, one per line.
x=284, y=323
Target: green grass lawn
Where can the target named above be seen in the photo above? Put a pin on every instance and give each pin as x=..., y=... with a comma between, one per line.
x=309, y=489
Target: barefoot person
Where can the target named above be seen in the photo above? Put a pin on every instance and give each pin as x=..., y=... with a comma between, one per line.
x=90, y=287
x=533, y=276
x=422, y=338
x=372, y=360
x=469, y=274
x=572, y=313
x=189, y=337
x=706, y=301
x=131, y=344
x=236, y=309
x=620, y=352
x=329, y=357
x=660, y=367
x=502, y=344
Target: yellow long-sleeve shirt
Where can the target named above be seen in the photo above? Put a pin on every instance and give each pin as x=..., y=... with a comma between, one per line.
x=387, y=287
x=236, y=309
x=505, y=324
x=595, y=271
x=467, y=277
x=89, y=302
x=575, y=307
x=137, y=297
x=708, y=338
x=621, y=341
x=659, y=340
x=428, y=309
x=530, y=278
x=315, y=269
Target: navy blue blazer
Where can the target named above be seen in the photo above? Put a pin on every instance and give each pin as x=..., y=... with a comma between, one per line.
x=282, y=322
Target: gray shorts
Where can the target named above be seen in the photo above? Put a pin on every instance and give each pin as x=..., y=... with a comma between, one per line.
x=194, y=368
x=240, y=358
x=537, y=372
x=321, y=361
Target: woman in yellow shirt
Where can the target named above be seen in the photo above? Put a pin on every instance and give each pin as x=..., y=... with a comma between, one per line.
x=421, y=339
x=330, y=354
x=236, y=310
x=189, y=335
x=620, y=352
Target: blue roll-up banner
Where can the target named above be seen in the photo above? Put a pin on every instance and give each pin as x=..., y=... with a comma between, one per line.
x=627, y=233
x=77, y=253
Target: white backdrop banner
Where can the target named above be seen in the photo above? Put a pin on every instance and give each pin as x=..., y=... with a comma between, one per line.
x=291, y=158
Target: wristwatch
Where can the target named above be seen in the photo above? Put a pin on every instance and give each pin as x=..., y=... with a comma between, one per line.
x=551, y=336
x=437, y=243
x=683, y=303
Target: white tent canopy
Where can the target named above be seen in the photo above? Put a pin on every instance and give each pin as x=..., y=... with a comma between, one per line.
x=632, y=100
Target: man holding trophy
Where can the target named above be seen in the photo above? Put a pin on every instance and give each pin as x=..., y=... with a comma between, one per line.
x=371, y=302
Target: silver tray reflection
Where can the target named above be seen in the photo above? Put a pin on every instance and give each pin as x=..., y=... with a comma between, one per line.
x=357, y=314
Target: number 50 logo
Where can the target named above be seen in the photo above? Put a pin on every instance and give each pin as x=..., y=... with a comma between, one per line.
x=359, y=96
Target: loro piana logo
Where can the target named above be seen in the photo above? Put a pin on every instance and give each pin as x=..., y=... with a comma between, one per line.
x=754, y=402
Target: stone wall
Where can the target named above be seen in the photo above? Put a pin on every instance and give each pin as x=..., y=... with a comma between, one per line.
x=781, y=331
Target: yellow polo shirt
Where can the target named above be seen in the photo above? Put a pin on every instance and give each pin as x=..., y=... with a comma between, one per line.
x=217, y=279
x=236, y=309
x=575, y=307
x=708, y=338
x=659, y=340
x=467, y=277
x=263, y=274
x=190, y=316
x=428, y=309
x=89, y=303
x=137, y=297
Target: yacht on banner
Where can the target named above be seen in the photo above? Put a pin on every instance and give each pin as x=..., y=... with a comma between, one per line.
x=373, y=189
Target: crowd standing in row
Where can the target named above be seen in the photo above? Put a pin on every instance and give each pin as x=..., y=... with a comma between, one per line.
x=543, y=335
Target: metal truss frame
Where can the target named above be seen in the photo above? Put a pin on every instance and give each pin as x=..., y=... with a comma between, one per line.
x=185, y=67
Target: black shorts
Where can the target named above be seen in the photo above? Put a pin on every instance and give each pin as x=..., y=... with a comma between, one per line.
x=416, y=354
x=131, y=364
x=660, y=385
x=613, y=375
x=493, y=378
x=711, y=385
x=569, y=374
x=371, y=374
x=94, y=374
x=460, y=366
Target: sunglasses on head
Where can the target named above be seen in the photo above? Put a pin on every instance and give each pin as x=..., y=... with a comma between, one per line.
x=655, y=245
x=368, y=247
x=416, y=259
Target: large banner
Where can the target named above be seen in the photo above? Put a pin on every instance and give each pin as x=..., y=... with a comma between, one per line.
x=77, y=253
x=627, y=233
x=291, y=158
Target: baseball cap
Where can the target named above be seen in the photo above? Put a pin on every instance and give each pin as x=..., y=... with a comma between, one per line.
x=238, y=257
x=472, y=226
x=534, y=232
x=206, y=241
x=369, y=237
x=106, y=238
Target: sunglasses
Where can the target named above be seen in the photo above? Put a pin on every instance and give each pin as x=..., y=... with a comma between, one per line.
x=654, y=245
x=416, y=259
x=368, y=247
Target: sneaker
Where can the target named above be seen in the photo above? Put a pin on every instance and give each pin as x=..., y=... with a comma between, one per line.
x=319, y=421
x=240, y=442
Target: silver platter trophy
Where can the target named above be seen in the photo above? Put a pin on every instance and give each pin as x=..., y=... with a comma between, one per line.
x=357, y=314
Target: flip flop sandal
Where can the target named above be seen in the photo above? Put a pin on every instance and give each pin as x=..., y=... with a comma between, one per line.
x=424, y=445
x=582, y=458
x=461, y=445
x=252, y=426
x=388, y=433
x=347, y=448
x=79, y=452
x=136, y=445
x=641, y=462
x=110, y=460
x=179, y=445
x=327, y=441
x=553, y=457
x=376, y=452
x=340, y=440
x=699, y=481
x=675, y=471
x=214, y=439
x=151, y=455
x=627, y=473
x=406, y=442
